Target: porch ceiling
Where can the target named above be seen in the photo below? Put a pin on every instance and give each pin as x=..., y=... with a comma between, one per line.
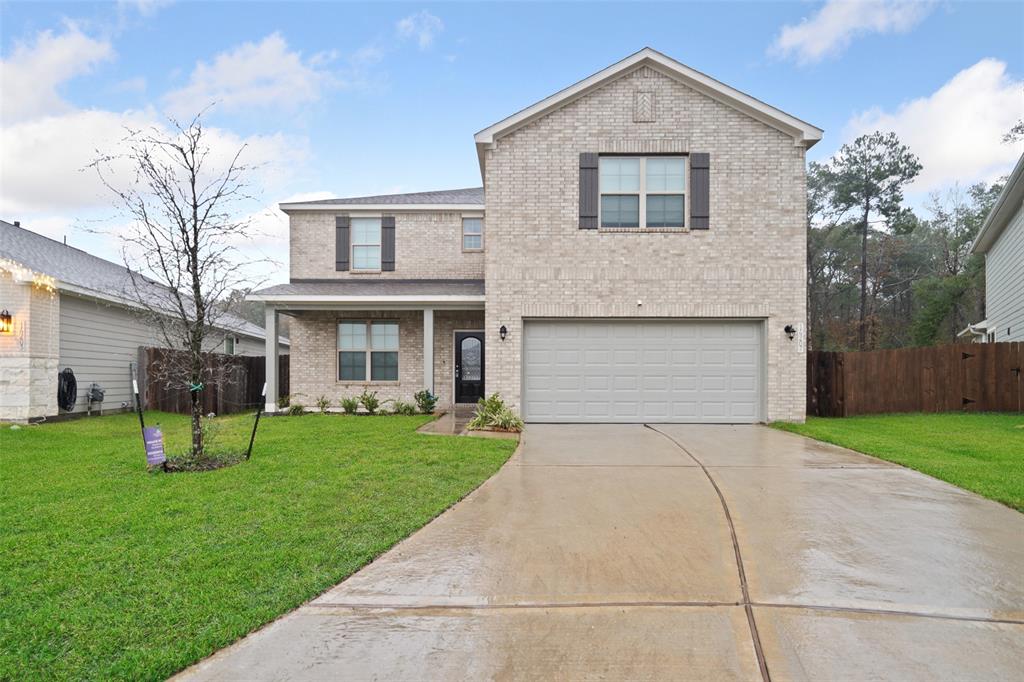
x=377, y=293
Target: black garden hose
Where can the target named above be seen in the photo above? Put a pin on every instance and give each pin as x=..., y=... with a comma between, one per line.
x=67, y=389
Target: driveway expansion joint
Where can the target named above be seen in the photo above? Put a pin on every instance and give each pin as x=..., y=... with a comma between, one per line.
x=521, y=605
x=747, y=607
x=889, y=612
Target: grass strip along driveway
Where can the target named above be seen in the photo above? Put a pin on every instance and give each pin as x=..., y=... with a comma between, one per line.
x=981, y=452
x=107, y=571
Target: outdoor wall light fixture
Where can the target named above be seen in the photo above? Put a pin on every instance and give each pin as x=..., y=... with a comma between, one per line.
x=790, y=331
x=503, y=332
x=6, y=323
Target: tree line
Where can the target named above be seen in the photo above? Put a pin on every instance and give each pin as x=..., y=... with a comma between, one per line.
x=879, y=274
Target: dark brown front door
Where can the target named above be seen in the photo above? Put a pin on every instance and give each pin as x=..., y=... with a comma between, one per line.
x=469, y=366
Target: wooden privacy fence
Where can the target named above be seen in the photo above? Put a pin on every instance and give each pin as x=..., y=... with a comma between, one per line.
x=237, y=386
x=977, y=377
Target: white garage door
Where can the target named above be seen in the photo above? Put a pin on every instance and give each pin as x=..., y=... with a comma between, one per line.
x=642, y=371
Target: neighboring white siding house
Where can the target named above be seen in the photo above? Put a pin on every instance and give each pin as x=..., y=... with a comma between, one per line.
x=67, y=313
x=1001, y=239
x=98, y=341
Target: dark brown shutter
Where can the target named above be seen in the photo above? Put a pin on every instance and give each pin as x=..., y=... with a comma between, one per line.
x=341, y=242
x=588, y=191
x=700, y=191
x=387, y=242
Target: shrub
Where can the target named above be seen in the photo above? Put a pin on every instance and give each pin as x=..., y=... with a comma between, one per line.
x=369, y=400
x=492, y=413
x=507, y=420
x=283, y=401
x=323, y=403
x=425, y=400
x=402, y=407
x=350, y=405
x=296, y=410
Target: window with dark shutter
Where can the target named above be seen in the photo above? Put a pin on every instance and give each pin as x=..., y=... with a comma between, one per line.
x=700, y=190
x=589, y=191
x=341, y=242
x=387, y=234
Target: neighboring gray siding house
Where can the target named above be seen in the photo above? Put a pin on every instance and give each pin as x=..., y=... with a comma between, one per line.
x=68, y=309
x=1001, y=239
x=636, y=253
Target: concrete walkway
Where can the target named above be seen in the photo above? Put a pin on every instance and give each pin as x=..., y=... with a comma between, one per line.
x=674, y=552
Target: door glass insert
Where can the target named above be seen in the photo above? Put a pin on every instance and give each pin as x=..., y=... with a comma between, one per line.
x=471, y=359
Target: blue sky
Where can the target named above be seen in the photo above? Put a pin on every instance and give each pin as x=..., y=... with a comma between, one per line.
x=349, y=99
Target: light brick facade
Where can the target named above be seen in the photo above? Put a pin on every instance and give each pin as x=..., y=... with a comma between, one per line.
x=314, y=351
x=428, y=245
x=749, y=264
x=538, y=263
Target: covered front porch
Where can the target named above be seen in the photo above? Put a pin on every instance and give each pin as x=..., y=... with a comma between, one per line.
x=394, y=337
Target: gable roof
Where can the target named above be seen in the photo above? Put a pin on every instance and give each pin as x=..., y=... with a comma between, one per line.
x=1007, y=204
x=83, y=273
x=456, y=199
x=803, y=133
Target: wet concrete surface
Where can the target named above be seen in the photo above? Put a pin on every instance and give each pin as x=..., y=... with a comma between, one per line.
x=605, y=552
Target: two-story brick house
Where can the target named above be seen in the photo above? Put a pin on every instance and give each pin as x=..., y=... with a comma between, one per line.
x=637, y=253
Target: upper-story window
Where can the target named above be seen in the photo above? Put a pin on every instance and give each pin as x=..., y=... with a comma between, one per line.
x=472, y=234
x=642, y=191
x=366, y=244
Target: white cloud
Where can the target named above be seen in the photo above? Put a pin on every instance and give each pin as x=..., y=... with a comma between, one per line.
x=31, y=75
x=267, y=242
x=423, y=26
x=263, y=74
x=956, y=131
x=42, y=161
x=137, y=84
x=146, y=8
x=835, y=26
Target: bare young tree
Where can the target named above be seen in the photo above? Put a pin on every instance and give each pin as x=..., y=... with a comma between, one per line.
x=186, y=212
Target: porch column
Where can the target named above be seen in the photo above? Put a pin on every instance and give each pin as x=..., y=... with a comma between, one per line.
x=270, y=329
x=428, y=349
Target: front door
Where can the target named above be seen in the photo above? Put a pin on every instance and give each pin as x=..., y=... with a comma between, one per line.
x=469, y=366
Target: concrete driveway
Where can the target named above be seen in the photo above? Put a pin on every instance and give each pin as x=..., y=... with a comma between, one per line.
x=685, y=552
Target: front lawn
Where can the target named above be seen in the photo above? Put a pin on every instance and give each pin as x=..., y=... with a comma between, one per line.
x=107, y=571
x=982, y=452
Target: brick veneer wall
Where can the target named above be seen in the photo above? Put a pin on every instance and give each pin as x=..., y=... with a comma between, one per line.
x=29, y=356
x=314, y=364
x=750, y=263
x=428, y=245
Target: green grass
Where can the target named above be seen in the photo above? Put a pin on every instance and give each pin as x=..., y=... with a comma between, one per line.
x=982, y=452
x=107, y=571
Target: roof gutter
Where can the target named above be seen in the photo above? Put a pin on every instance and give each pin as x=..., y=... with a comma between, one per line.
x=390, y=208
x=1007, y=203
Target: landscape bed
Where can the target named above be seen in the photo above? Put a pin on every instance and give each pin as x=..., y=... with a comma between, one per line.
x=107, y=571
x=981, y=452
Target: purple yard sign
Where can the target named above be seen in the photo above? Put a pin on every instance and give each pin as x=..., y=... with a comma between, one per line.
x=154, y=445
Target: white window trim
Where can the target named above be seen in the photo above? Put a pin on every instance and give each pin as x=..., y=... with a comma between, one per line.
x=368, y=350
x=643, y=193
x=466, y=217
x=380, y=244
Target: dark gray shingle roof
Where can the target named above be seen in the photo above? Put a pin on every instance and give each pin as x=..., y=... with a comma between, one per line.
x=83, y=270
x=377, y=287
x=468, y=195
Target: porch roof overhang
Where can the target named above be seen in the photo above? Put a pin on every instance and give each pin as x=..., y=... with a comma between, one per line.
x=376, y=294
